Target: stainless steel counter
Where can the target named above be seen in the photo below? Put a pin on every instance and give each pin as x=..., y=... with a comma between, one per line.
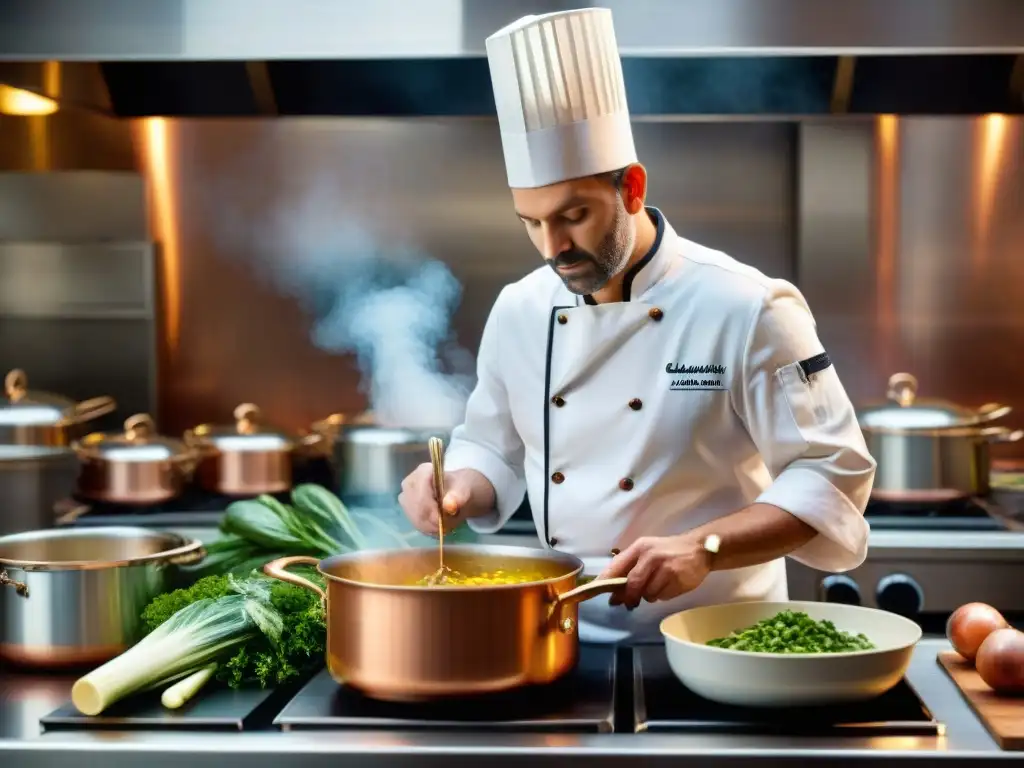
x=24, y=700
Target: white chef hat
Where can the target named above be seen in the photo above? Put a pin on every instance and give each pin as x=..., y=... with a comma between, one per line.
x=561, y=100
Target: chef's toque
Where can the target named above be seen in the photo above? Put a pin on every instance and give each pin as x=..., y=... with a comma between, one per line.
x=560, y=96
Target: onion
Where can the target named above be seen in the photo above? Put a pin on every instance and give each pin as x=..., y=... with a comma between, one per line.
x=1001, y=660
x=970, y=624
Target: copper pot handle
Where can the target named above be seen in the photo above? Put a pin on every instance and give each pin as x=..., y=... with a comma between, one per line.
x=329, y=428
x=587, y=591
x=1000, y=434
x=20, y=588
x=15, y=385
x=188, y=553
x=993, y=411
x=93, y=408
x=902, y=389
x=199, y=446
x=278, y=569
x=247, y=418
x=139, y=427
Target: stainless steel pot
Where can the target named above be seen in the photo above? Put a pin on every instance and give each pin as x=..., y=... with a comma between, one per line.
x=248, y=457
x=32, y=482
x=74, y=596
x=930, y=450
x=137, y=466
x=37, y=466
x=372, y=460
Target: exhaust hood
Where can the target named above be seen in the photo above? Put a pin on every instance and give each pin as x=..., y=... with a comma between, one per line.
x=786, y=58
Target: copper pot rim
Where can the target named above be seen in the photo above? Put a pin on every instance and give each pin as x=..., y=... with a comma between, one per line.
x=975, y=432
x=182, y=550
x=574, y=564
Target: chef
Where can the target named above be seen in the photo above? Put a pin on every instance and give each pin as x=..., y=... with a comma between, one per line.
x=669, y=411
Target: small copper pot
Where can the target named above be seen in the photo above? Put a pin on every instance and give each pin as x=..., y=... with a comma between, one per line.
x=398, y=642
x=137, y=466
x=44, y=419
x=247, y=458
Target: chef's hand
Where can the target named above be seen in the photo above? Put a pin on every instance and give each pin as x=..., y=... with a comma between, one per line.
x=467, y=494
x=658, y=568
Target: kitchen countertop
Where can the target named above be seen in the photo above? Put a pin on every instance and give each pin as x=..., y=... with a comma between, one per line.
x=24, y=700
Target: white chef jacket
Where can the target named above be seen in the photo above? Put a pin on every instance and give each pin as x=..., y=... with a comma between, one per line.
x=705, y=390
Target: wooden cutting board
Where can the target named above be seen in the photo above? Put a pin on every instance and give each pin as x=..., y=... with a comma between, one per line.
x=1002, y=716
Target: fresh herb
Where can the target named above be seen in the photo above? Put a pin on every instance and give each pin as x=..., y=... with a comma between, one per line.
x=793, y=632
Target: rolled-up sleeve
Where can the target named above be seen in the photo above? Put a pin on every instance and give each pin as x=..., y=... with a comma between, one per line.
x=487, y=440
x=805, y=427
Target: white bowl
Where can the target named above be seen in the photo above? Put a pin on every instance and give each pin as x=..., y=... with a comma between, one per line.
x=781, y=680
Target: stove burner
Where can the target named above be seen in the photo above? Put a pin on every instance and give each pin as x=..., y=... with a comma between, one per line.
x=582, y=702
x=955, y=515
x=662, y=704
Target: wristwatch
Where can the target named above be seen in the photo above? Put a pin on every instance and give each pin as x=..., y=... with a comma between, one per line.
x=711, y=544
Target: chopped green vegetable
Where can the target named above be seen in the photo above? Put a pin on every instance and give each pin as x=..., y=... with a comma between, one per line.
x=793, y=632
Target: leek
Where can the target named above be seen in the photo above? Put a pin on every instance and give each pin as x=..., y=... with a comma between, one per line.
x=182, y=691
x=191, y=639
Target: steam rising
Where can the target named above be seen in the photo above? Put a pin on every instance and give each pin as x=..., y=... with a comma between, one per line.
x=390, y=307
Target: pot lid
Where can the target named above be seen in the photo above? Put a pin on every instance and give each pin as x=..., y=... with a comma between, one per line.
x=23, y=408
x=380, y=435
x=139, y=442
x=906, y=411
x=248, y=433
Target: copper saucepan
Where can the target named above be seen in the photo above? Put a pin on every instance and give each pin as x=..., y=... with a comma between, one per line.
x=398, y=642
x=137, y=466
x=248, y=457
x=44, y=419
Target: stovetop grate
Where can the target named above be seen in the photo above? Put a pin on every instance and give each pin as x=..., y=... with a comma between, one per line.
x=664, y=705
x=584, y=701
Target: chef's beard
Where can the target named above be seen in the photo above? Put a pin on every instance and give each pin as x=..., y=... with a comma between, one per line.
x=610, y=257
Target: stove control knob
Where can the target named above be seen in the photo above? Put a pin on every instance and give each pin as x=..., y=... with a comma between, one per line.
x=900, y=594
x=840, y=589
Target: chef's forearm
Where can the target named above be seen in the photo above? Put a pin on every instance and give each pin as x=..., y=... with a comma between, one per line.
x=754, y=535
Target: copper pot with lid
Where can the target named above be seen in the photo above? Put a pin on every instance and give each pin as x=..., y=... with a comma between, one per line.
x=248, y=457
x=44, y=419
x=137, y=466
x=930, y=450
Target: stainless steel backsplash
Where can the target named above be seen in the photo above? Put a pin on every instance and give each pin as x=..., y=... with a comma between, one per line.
x=906, y=235
x=254, y=203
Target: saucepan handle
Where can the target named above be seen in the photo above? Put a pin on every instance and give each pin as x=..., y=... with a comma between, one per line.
x=278, y=569
x=579, y=594
x=993, y=411
x=20, y=588
x=1001, y=434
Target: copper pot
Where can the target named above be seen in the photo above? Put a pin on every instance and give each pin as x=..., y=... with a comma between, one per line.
x=398, y=642
x=137, y=466
x=44, y=419
x=247, y=457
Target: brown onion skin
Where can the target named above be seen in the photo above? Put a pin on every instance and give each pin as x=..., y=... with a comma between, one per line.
x=1000, y=661
x=970, y=624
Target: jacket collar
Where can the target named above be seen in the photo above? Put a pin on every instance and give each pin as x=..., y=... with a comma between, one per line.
x=648, y=270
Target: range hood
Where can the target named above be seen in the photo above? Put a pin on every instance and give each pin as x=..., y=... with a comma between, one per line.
x=785, y=58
